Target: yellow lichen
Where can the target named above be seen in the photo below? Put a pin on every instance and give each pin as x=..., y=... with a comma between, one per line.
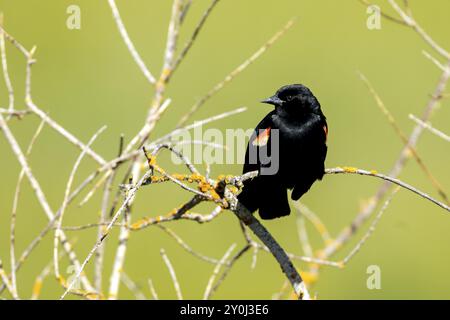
x=178, y=176
x=37, y=287
x=350, y=169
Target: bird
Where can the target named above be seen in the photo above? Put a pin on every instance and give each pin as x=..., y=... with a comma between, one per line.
x=288, y=149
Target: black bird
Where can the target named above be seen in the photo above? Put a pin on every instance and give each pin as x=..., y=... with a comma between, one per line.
x=288, y=148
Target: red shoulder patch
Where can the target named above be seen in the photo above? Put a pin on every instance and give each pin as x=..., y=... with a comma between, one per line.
x=262, y=138
x=325, y=128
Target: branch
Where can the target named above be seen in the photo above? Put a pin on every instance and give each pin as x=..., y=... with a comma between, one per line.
x=194, y=35
x=126, y=39
x=173, y=275
x=409, y=20
x=430, y=128
x=208, y=290
x=352, y=170
x=235, y=72
x=38, y=192
x=277, y=251
x=131, y=194
x=404, y=139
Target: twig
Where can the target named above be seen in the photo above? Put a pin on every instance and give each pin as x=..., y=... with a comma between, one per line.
x=228, y=267
x=14, y=42
x=38, y=192
x=181, y=213
x=8, y=83
x=132, y=154
x=370, y=230
x=99, y=255
x=126, y=39
x=303, y=235
x=344, y=236
x=172, y=38
x=193, y=37
x=130, y=197
x=352, y=170
x=6, y=281
x=121, y=250
x=173, y=275
x=404, y=139
x=58, y=230
x=152, y=289
x=409, y=20
x=15, y=113
x=186, y=247
x=14, y=209
x=434, y=60
x=208, y=290
x=234, y=73
x=430, y=128
x=38, y=282
x=315, y=220
x=132, y=286
x=53, y=124
x=389, y=17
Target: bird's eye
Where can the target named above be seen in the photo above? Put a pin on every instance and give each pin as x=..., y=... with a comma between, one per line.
x=288, y=98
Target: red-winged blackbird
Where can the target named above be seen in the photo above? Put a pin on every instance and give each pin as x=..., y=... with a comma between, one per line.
x=288, y=148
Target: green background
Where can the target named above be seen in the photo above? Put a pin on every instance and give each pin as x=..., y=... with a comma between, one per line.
x=86, y=78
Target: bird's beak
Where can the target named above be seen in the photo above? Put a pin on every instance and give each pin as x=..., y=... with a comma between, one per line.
x=274, y=100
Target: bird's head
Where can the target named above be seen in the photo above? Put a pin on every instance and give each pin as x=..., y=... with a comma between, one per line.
x=294, y=99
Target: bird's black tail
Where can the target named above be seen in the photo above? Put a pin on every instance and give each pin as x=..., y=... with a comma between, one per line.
x=267, y=195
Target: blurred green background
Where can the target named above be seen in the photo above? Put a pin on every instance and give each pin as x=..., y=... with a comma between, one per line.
x=86, y=78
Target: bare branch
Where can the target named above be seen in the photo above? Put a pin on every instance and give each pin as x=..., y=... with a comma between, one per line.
x=38, y=191
x=132, y=286
x=430, y=128
x=58, y=231
x=14, y=209
x=409, y=20
x=152, y=289
x=404, y=139
x=208, y=290
x=173, y=275
x=130, y=46
x=8, y=83
x=6, y=281
x=370, y=230
x=234, y=73
x=186, y=247
x=315, y=220
x=130, y=197
x=352, y=170
x=194, y=35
